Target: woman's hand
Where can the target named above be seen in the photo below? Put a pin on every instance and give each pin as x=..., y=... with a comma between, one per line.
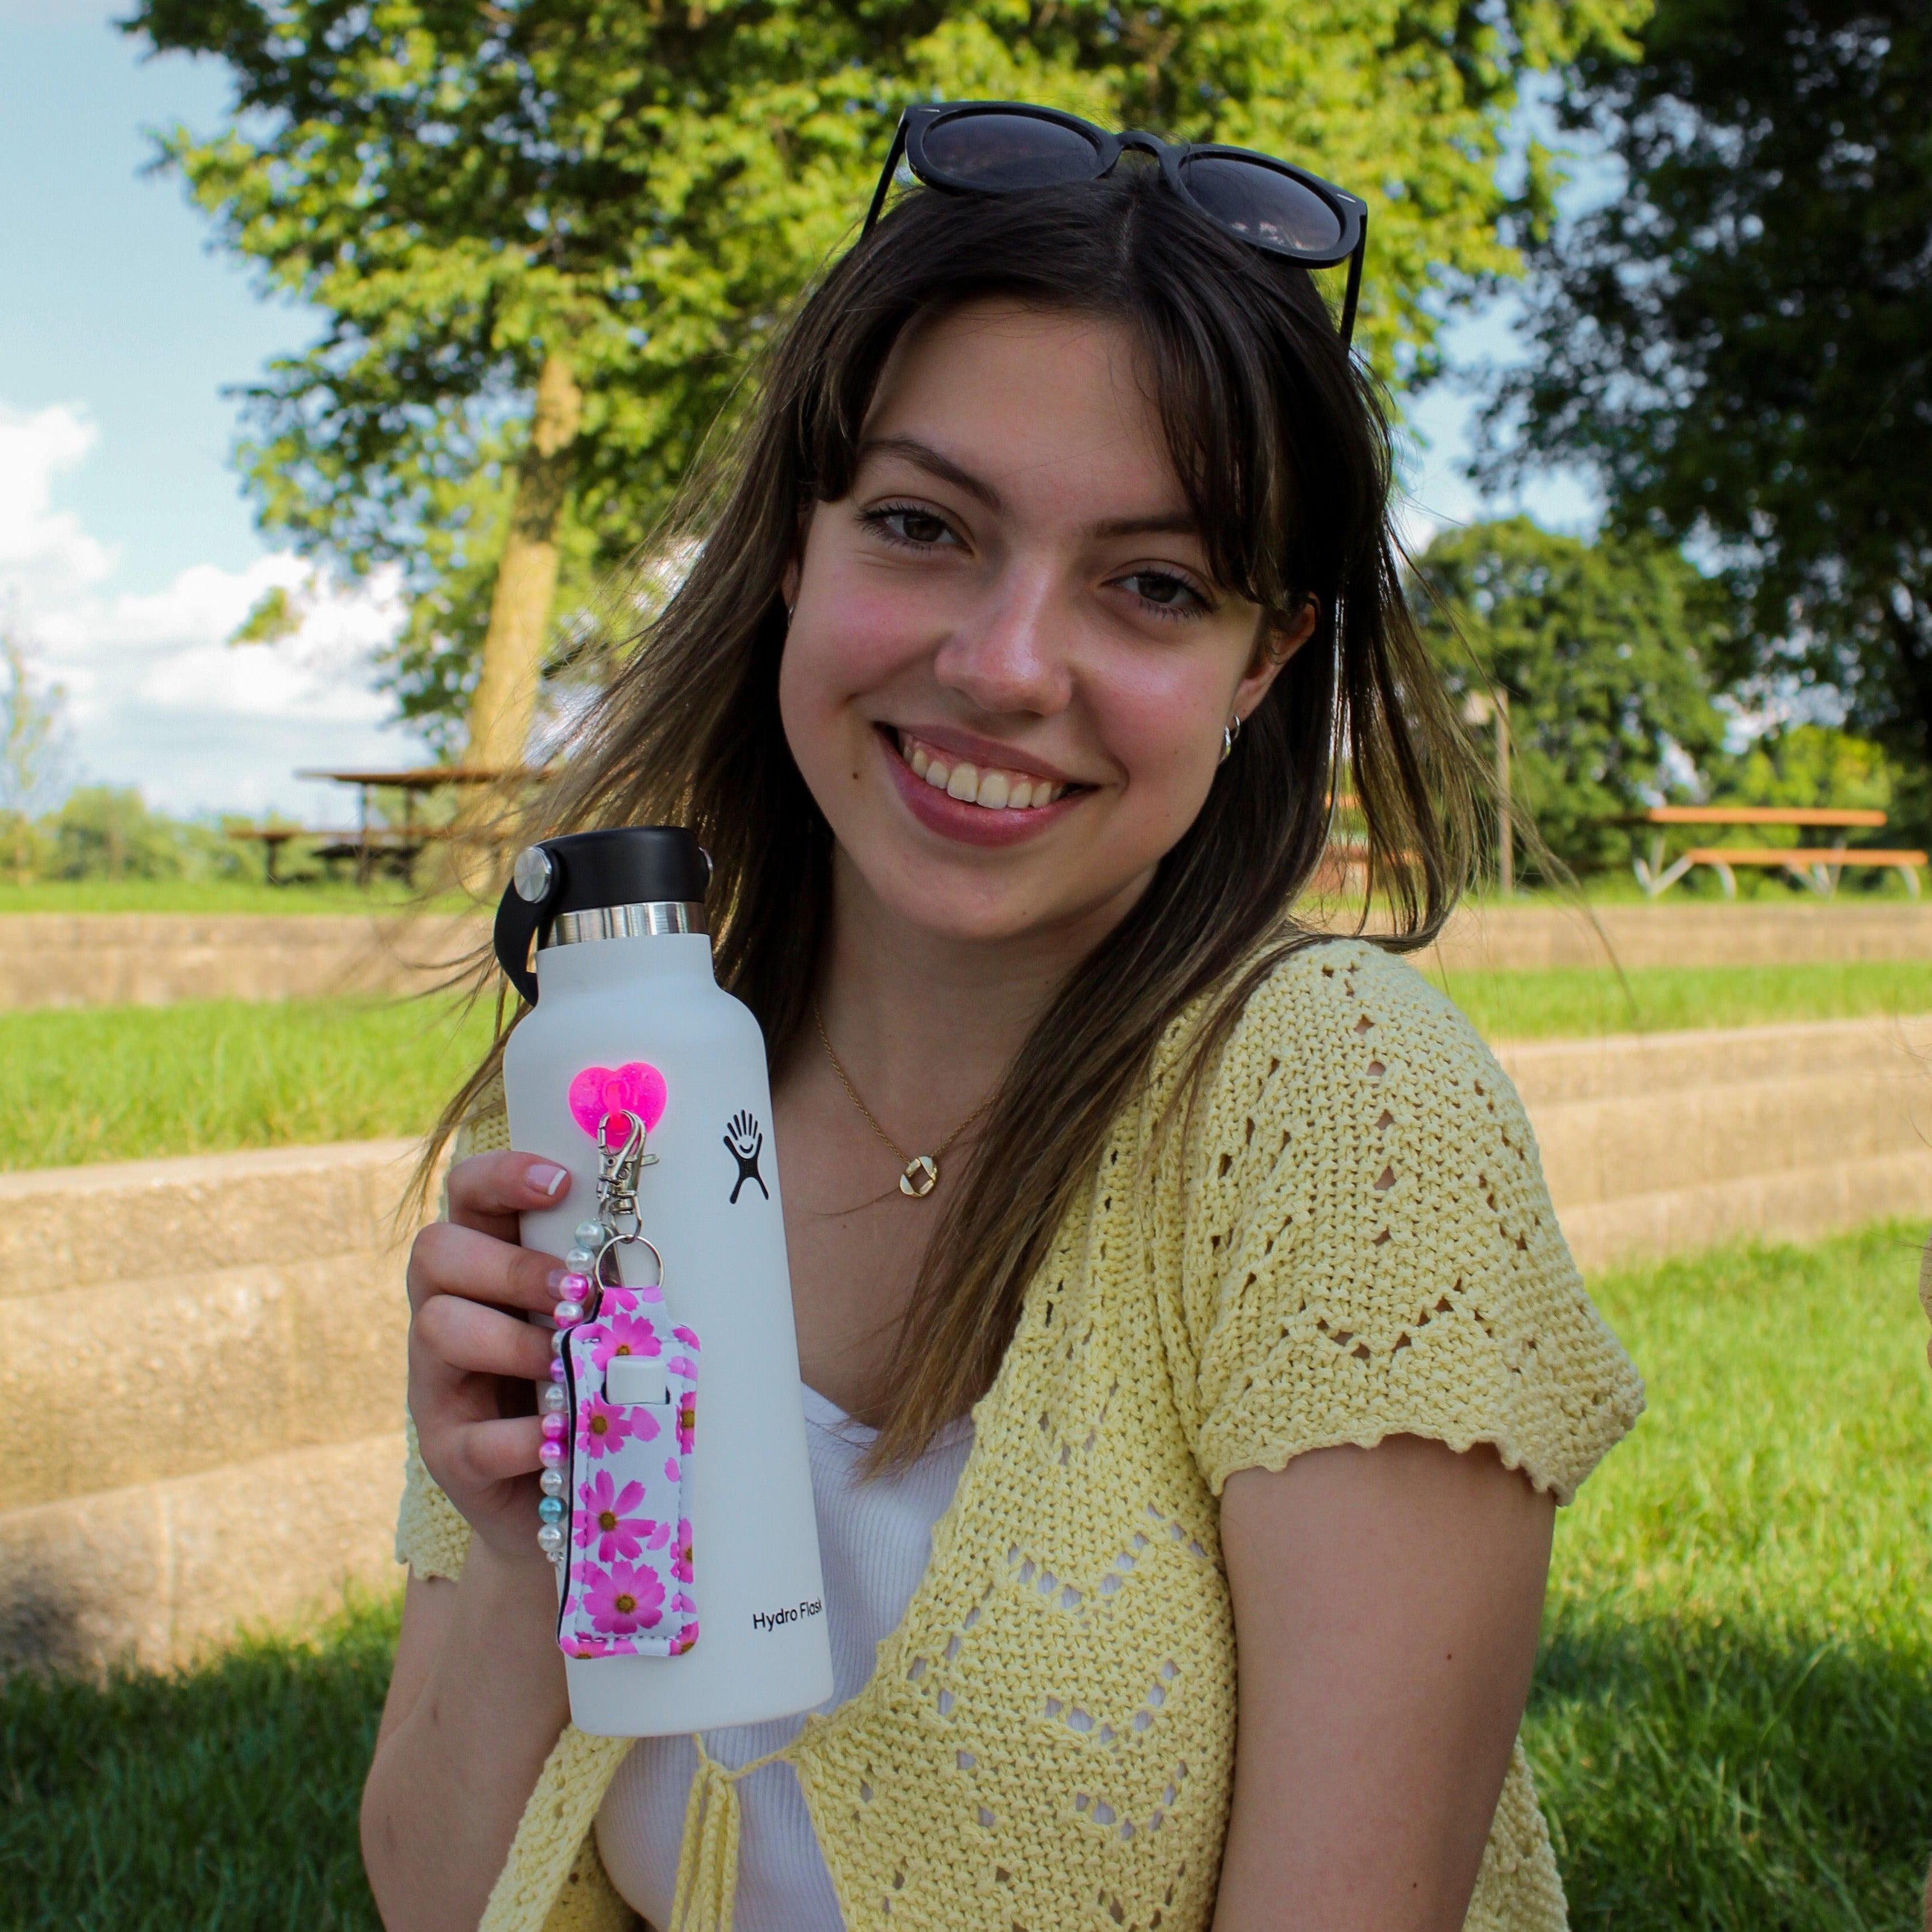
x=470, y=1285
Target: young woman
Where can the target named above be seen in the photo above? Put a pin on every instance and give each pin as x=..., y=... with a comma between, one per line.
x=1186, y=1458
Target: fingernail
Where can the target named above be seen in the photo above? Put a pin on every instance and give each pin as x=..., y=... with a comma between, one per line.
x=547, y=1179
x=554, y=1281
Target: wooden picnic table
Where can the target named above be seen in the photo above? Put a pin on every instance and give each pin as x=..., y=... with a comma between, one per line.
x=402, y=844
x=415, y=781
x=1818, y=866
x=370, y=847
x=397, y=847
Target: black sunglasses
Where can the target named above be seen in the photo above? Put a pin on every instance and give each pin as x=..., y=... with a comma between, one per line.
x=1006, y=147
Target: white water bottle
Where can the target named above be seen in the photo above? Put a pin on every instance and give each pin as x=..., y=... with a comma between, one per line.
x=625, y=1007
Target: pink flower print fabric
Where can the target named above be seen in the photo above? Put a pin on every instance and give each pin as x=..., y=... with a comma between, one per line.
x=630, y=1591
x=625, y=1335
x=606, y=1522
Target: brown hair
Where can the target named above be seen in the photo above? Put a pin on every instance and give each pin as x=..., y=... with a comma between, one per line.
x=1281, y=444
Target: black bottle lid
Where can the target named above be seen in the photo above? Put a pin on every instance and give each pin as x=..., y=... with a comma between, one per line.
x=585, y=871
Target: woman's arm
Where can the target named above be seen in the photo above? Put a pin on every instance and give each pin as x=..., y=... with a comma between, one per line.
x=1387, y=1603
x=477, y=1698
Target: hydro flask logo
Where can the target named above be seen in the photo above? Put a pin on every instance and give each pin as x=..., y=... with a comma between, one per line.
x=745, y=1140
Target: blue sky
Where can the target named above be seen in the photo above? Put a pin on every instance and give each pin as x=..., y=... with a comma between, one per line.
x=128, y=552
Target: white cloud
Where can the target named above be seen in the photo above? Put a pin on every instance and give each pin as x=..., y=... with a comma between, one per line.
x=41, y=548
x=156, y=696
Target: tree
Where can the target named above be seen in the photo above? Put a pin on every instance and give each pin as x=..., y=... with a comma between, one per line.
x=30, y=717
x=546, y=235
x=1741, y=341
x=107, y=832
x=1604, y=651
x=1805, y=765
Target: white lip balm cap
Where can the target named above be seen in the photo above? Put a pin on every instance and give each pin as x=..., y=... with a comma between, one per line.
x=635, y=1378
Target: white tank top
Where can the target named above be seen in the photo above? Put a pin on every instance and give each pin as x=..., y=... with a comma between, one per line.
x=874, y=1541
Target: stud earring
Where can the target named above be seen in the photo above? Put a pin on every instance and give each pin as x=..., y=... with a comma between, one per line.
x=1230, y=732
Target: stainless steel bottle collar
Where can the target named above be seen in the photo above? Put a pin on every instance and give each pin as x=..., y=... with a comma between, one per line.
x=625, y=921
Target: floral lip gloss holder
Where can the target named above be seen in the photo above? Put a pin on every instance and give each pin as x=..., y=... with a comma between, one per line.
x=619, y=1418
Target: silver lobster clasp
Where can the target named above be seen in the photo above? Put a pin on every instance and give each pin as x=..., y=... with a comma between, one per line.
x=620, y=1162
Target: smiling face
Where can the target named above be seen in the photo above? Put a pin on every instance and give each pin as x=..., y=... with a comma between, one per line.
x=1008, y=668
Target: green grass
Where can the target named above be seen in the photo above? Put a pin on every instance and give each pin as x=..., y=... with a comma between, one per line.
x=1575, y=1002
x=125, y=1083
x=135, y=1083
x=1732, y=1726
x=211, y=896
x=221, y=1799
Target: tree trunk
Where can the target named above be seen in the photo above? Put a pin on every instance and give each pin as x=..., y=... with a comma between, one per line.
x=513, y=648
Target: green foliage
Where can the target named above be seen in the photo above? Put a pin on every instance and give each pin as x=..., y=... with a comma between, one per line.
x=107, y=832
x=1577, y=1002
x=134, y=1083
x=110, y=833
x=1732, y=1726
x=1818, y=764
x=274, y=616
x=1604, y=650
x=30, y=747
x=1741, y=342
x=1807, y=765
x=643, y=189
x=221, y=1798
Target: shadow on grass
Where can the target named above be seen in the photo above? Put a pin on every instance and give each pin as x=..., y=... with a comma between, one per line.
x=220, y=1797
x=1707, y=1777
x=1696, y=1776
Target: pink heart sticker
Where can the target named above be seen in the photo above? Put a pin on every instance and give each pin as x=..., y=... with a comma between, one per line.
x=636, y=1087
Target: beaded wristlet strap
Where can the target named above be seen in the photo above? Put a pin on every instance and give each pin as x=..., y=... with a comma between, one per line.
x=620, y=1162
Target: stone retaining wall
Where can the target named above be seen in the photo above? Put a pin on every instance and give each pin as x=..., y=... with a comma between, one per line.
x=1517, y=938
x=201, y=1391
x=53, y=959
x=1657, y=1143
x=202, y=1361
x=144, y=959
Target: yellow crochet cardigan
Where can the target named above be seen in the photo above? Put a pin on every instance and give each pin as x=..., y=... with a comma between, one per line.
x=1352, y=1239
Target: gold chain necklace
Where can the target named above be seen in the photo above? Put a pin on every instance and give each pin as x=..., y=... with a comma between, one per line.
x=920, y=1174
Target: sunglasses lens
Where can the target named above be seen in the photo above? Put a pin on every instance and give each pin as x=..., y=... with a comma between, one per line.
x=998, y=153
x=1261, y=205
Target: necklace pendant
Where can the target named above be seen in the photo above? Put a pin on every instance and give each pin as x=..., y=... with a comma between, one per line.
x=920, y=1177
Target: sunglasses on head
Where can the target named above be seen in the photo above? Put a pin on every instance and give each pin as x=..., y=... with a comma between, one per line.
x=1006, y=147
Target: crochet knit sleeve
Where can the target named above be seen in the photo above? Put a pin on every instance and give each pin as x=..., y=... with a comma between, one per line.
x=1372, y=1250
x=431, y=1537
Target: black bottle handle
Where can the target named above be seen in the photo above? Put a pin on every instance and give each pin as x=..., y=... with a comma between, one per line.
x=518, y=921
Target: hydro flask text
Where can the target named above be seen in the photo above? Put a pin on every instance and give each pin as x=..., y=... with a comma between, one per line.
x=772, y=1620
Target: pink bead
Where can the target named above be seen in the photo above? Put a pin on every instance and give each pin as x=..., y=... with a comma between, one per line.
x=552, y=1426
x=574, y=1286
x=556, y=1371
x=551, y=1454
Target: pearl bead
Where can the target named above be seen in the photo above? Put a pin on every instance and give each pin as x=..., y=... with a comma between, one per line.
x=554, y=1428
x=565, y=1313
x=550, y=1538
x=590, y=1234
x=557, y=1340
x=580, y=1261
x=552, y=1480
x=551, y=1509
x=557, y=1372
x=552, y=1453
x=554, y=1399
x=575, y=1285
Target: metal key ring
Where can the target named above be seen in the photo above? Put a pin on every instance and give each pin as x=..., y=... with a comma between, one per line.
x=599, y=1284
